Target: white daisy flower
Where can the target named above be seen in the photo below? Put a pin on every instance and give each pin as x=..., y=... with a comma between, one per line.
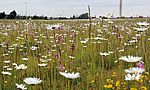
x=14, y=64
x=83, y=42
x=121, y=50
x=21, y=86
x=130, y=58
x=25, y=59
x=110, y=52
x=137, y=35
x=72, y=57
x=5, y=66
x=20, y=67
x=5, y=54
x=54, y=27
x=132, y=76
x=42, y=60
x=9, y=69
x=142, y=23
x=116, y=61
x=97, y=38
x=31, y=80
x=7, y=61
x=33, y=48
x=84, y=46
x=140, y=29
x=104, y=54
x=6, y=73
x=42, y=65
x=135, y=70
x=70, y=75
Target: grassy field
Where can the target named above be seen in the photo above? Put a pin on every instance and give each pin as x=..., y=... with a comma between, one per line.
x=43, y=49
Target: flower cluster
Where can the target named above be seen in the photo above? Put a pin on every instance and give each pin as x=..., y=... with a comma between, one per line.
x=143, y=26
x=133, y=73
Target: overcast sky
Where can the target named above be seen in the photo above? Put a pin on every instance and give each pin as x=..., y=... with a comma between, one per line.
x=76, y=7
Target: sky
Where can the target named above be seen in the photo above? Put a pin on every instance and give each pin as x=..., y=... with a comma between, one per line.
x=76, y=7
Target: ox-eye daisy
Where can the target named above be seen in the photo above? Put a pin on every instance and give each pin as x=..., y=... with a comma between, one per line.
x=142, y=23
x=104, y=54
x=31, y=80
x=132, y=76
x=130, y=58
x=21, y=86
x=21, y=67
x=135, y=70
x=70, y=75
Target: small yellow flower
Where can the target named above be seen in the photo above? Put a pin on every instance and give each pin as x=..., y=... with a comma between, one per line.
x=147, y=73
x=15, y=77
x=123, y=83
x=105, y=86
x=146, y=77
x=142, y=76
x=114, y=74
x=93, y=81
x=97, y=74
x=144, y=88
x=140, y=80
x=117, y=83
x=108, y=86
x=109, y=80
x=5, y=82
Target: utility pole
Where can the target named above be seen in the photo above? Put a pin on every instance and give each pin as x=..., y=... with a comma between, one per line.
x=26, y=9
x=120, y=11
x=90, y=22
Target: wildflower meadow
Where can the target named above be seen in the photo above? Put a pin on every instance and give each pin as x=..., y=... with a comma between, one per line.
x=107, y=54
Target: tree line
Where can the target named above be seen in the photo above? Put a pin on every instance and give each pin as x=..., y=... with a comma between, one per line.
x=13, y=15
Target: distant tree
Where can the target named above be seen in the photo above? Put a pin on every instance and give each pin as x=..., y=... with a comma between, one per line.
x=12, y=15
x=35, y=17
x=2, y=15
x=40, y=17
x=45, y=17
x=51, y=18
x=84, y=16
x=73, y=17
